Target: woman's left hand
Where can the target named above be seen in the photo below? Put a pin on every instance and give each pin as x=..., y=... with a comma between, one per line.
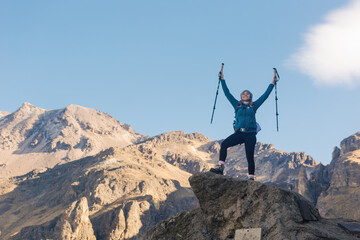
x=275, y=79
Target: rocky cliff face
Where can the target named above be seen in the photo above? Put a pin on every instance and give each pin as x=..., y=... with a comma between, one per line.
x=312, y=186
x=73, y=224
x=43, y=138
x=227, y=204
x=350, y=144
x=341, y=198
x=335, y=188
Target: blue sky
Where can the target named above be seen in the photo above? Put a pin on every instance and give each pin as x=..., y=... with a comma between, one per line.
x=154, y=64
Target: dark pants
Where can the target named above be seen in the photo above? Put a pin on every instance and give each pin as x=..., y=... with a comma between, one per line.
x=238, y=138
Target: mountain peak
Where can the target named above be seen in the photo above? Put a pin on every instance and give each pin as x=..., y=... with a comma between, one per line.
x=68, y=133
x=27, y=105
x=3, y=114
x=351, y=143
x=75, y=107
x=28, y=109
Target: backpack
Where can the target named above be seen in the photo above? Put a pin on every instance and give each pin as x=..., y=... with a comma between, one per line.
x=258, y=128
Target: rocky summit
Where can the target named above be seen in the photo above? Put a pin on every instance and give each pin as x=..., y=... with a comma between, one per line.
x=228, y=204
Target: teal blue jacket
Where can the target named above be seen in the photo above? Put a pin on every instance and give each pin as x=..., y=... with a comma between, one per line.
x=245, y=114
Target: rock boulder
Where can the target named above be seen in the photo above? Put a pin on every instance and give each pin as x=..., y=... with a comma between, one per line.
x=228, y=204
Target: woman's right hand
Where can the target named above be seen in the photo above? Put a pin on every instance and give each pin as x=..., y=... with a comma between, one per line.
x=221, y=75
x=275, y=79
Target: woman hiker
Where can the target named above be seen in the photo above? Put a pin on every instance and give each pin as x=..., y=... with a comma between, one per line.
x=245, y=125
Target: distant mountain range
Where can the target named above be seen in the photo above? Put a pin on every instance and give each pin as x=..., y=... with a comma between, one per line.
x=39, y=138
x=55, y=162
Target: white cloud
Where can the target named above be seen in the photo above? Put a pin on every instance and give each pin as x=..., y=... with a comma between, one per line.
x=331, y=52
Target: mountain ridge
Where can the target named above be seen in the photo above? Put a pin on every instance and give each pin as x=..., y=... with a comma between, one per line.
x=49, y=137
x=156, y=170
x=146, y=178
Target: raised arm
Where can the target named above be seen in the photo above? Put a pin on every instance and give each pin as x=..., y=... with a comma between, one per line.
x=263, y=97
x=228, y=95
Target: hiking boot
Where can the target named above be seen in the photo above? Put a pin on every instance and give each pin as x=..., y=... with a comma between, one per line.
x=219, y=169
x=251, y=178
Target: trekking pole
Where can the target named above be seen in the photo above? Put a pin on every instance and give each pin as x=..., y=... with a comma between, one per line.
x=276, y=99
x=217, y=92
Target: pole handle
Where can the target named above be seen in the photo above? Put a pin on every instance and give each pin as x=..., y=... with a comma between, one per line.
x=220, y=73
x=276, y=73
